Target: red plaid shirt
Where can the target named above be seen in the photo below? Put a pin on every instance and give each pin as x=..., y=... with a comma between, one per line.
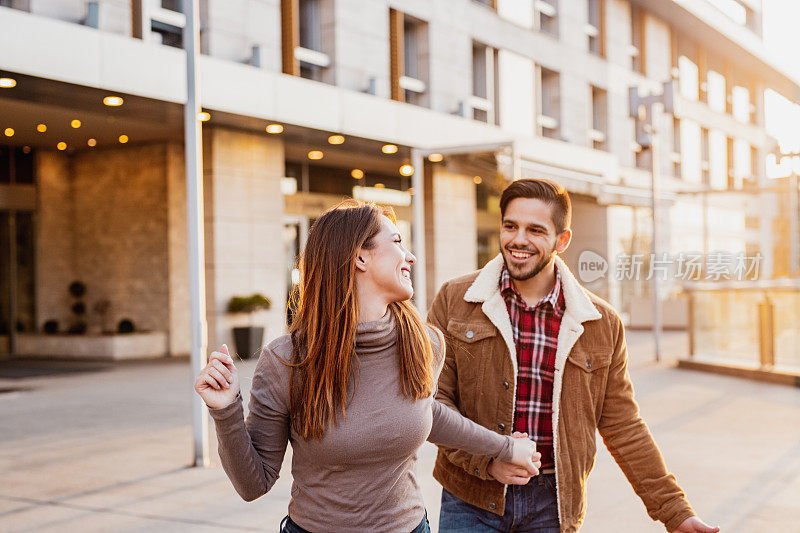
x=536, y=338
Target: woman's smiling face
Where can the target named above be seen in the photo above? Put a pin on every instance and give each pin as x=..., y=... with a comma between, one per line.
x=387, y=263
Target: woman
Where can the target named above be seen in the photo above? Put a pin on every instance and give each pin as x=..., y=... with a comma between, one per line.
x=351, y=387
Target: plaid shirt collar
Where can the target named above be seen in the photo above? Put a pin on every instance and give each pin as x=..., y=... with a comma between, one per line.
x=509, y=291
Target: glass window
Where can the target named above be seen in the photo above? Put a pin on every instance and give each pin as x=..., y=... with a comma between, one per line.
x=23, y=165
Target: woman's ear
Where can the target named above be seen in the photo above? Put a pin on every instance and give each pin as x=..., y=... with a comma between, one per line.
x=361, y=261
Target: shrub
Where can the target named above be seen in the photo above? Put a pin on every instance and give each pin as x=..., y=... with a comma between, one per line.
x=126, y=326
x=249, y=304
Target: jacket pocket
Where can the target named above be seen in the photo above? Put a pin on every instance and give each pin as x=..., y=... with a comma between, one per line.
x=590, y=361
x=471, y=345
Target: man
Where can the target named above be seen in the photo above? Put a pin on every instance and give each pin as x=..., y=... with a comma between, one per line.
x=530, y=350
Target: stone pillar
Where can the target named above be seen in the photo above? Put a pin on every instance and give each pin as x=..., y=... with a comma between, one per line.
x=54, y=258
x=589, y=232
x=180, y=342
x=451, y=232
x=243, y=229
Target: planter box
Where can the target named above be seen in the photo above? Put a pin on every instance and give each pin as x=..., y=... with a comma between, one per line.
x=99, y=347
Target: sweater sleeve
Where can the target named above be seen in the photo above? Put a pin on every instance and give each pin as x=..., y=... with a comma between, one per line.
x=252, y=450
x=453, y=430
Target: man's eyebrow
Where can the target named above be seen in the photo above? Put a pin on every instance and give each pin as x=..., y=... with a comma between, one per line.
x=531, y=225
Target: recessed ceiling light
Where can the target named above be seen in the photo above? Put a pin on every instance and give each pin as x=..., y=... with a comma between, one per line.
x=315, y=154
x=7, y=83
x=336, y=139
x=41, y=128
x=75, y=123
x=92, y=142
x=357, y=173
x=435, y=158
x=123, y=138
x=62, y=145
x=389, y=149
x=113, y=101
x=406, y=170
x=478, y=180
x=9, y=132
x=274, y=129
x=204, y=116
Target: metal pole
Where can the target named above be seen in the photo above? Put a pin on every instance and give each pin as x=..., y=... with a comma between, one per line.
x=794, y=226
x=194, y=213
x=655, y=178
x=418, y=233
x=13, y=253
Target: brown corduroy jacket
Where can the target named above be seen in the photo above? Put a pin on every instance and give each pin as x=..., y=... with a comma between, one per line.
x=592, y=391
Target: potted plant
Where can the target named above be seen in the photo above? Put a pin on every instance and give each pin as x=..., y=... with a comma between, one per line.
x=248, y=340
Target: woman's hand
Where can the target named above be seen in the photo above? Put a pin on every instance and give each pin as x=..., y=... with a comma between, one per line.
x=525, y=455
x=218, y=383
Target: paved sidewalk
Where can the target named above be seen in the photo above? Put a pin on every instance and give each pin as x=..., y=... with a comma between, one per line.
x=107, y=449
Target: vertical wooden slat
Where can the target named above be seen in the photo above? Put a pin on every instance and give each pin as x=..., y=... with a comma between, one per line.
x=290, y=36
x=601, y=6
x=702, y=73
x=136, y=19
x=642, y=41
x=396, y=59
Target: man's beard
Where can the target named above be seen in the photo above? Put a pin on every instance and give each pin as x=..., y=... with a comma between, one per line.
x=533, y=270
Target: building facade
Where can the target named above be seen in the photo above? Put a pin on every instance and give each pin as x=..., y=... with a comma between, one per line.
x=309, y=101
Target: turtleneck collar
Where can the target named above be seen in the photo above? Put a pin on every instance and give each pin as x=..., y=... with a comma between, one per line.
x=377, y=335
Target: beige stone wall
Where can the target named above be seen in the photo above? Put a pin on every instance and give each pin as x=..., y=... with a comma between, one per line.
x=103, y=221
x=451, y=227
x=243, y=229
x=178, y=253
x=54, y=258
x=120, y=231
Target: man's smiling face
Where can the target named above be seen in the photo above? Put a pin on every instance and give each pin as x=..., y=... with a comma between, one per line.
x=528, y=238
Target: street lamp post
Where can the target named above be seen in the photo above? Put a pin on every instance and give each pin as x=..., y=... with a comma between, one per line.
x=641, y=108
x=194, y=213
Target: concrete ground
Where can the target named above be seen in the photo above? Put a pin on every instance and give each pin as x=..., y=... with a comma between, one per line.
x=105, y=447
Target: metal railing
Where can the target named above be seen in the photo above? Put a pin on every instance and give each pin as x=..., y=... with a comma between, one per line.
x=753, y=324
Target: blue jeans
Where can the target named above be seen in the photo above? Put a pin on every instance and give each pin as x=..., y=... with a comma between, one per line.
x=529, y=508
x=289, y=526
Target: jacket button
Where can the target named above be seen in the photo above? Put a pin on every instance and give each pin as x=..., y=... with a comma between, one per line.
x=470, y=334
x=506, y=385
x=501, y=427
x=588, y=364
x=492, y=505
x=477, y=472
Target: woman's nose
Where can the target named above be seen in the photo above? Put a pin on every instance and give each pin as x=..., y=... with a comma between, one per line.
x=411, y=258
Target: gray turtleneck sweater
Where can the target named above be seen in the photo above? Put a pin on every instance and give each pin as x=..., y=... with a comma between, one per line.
x=361, y=476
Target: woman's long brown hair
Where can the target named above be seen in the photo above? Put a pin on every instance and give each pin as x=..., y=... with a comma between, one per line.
x=324, y=326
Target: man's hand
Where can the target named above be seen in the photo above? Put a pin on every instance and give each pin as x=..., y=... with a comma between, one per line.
x=694, y=525
x=511, y=474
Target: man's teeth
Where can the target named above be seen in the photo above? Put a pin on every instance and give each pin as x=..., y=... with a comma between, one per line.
x=521, y=255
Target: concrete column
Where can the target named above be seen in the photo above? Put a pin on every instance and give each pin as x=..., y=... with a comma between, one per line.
x=451, y=232
x=590, y=232
x=243, y=229
x=54, y=258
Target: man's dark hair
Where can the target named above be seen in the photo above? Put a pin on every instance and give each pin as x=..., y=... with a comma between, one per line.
x=545, y=190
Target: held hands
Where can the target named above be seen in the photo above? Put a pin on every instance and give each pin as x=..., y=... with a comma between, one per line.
x=695, y=525
x=524, y=464
x=218, y=383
